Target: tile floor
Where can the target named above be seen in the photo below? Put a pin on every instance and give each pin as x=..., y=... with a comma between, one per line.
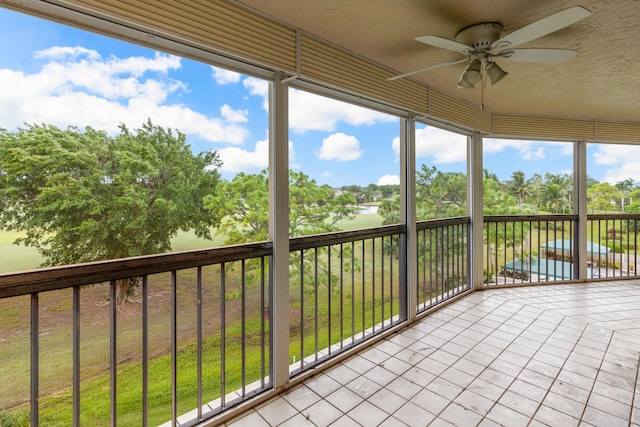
x=563, y=355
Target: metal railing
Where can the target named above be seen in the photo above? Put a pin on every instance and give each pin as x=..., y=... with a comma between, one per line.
x=612, y=250
x=443, y=260
x=522, y=249
x=525, y=249
x=196, y=339
x=171, y=352
x=345, y=288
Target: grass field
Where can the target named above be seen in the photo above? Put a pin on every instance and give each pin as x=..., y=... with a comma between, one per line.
x=19, y=257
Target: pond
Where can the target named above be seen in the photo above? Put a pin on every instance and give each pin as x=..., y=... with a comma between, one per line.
x=368, y=209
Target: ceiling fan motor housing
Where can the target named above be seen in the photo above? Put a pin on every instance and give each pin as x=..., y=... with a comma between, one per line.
x=480, y=36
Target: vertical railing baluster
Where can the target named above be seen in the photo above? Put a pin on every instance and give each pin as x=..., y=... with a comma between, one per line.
x=546, y=223
x=504, y=253
x=635, y=248
x=76, y=356
x=174, y=348
x=373, y=284
x=113, y=362
x=439, y=268
x=436, y=261
x=573, y=254
x=316, y=295
x=382, y=305
x=487, y=230
x=223, y=336
x=497, y=252
x=330, y=313
x=145, y=351
x=391, y=258
x=425, y=294
x=244, y=327
x=628, y=253
x=363, y=285
x=35, y=360
x=341, y=294
x=606, y=240
x=450, y=259
x=353, y=292
x=302, y=309
x=262, y=323
x=199, y=337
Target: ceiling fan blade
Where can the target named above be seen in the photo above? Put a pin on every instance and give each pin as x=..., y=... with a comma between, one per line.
x=537, y=55
x=431, y=67
x=445, y=44
x=542, y=27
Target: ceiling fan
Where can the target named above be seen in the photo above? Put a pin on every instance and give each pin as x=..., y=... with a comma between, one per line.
x=481, y=45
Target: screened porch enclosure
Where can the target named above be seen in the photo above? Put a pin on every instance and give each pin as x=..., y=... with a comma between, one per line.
x=219, y=332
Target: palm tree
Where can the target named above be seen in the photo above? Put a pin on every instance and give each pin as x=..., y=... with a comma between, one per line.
x=553, y=197
x=519, y=187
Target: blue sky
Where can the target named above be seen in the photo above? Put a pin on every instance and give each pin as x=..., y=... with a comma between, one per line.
x=63, y=76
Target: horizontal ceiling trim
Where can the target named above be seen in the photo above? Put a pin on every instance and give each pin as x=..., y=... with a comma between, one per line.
x=450, y=109
x=222, y=25
x=618, y=132
x=543, y=127
x=326, y=63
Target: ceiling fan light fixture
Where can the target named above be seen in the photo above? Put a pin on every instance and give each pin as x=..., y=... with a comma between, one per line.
x=495, y=73
x=473, y=73
x=463, y=84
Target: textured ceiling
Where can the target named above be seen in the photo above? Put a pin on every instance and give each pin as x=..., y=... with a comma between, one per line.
x=602, y=82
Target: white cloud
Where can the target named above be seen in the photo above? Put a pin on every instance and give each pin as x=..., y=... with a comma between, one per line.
x=76, y=86
x=232, y=115
x=258, y=87
x=225, y=77
x=623, y=158
x=61, y=52
x=235, y=159
x=442, y=145
x=528, y=150
x=308, y=111
x=389, y=180
x=327, y=175
x=534, y=154
x=341, y=147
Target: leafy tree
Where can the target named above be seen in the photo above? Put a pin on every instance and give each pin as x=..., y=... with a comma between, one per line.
x=603, y=197
x=389, y=210
x=497, y=201
x=243, y=203
x=440, y=194
x=83, y=196
x=626, y=185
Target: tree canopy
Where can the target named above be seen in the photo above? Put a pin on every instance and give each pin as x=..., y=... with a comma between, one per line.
x=83, y=195
x=243, y=203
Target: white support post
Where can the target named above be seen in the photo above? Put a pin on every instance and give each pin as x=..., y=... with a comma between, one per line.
x=474, y=196
x=580, y=208
x=279, y=229
x=408, y=215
